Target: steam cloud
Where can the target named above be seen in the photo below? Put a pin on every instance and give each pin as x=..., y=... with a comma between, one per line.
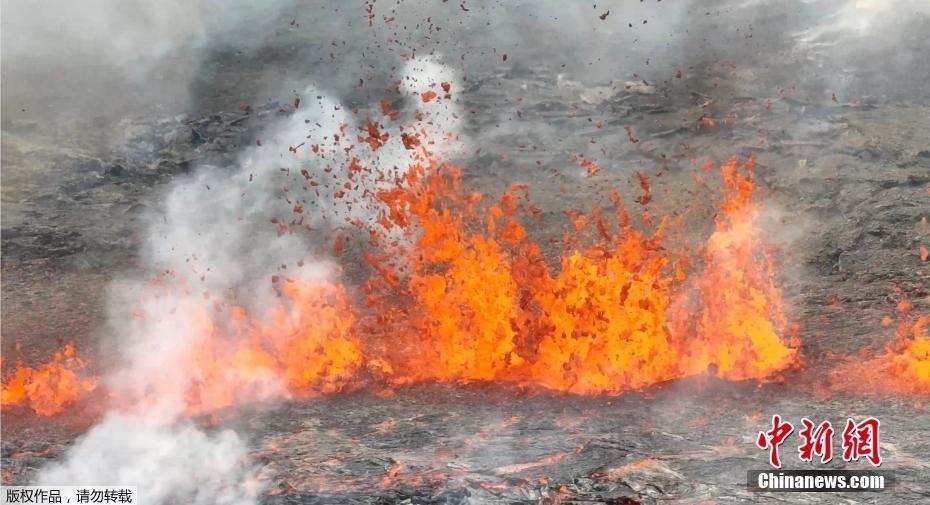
x=113, y=57
x=215, y=235
x=170, y=463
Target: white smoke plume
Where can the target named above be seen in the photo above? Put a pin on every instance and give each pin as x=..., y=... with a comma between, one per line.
x=862, y=18
x=132, y=36
x=858, y=49
x=215, y=236
x=170, y=463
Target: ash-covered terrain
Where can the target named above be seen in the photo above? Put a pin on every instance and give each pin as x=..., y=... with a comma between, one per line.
x=103, y=111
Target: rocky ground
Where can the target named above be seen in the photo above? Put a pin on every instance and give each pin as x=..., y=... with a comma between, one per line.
x=846, y=171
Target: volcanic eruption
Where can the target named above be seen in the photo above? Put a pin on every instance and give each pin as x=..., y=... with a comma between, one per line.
x=443, y=264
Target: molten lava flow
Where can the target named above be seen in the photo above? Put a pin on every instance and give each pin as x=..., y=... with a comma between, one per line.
x=302, y=346
x=605, y=316
x=738, y=322
x=51, y=387
x=902, y=367
x=911, y=364
x=905, y=364
x=459, y=291
x=472, y=299
x=454, y=319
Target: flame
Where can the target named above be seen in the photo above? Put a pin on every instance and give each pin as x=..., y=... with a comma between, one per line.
x=459, y=291
x=51, y=387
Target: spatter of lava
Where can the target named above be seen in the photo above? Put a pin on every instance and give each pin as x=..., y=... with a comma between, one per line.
x=50, y=387
x=459, y=291
x=479, y=302
x=903, y=366
x=910, y=359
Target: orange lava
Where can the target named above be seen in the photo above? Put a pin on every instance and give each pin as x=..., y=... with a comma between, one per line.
x=473, y=298
x=459, y=291
x=911, y=365
x=522, y=467
x=738, y=322
x=49, y=388
x=905, y=364
x=302, y=346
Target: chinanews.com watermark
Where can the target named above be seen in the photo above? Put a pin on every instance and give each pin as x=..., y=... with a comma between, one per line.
x=860, y=442
x=819, y=480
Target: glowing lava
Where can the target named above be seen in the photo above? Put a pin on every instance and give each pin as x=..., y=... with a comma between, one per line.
x=738, y=322
x=51, y=387
x=459, y=291
x=473, y=298
x=905, y=365
x=304, y=345
x=911, y=365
